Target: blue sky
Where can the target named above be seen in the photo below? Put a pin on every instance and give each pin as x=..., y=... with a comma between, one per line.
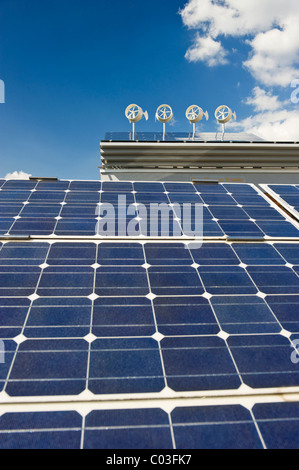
x=71, y=67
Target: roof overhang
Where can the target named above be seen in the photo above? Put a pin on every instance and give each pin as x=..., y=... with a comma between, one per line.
x=198, y=155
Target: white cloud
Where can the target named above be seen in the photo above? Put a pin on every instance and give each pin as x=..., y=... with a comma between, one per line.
x=271, y=24
x=17, y=175
x=206, y=49
x=273, y=119
x=276, y=125
x=262, y=100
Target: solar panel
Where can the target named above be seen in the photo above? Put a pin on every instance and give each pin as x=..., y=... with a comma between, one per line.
x=266, y=425
x=287, y=195
x=181, y=137
x=232, y=210
x=199, y=308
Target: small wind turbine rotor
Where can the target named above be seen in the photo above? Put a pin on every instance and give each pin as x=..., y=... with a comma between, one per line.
x=164, y=113
x=224, y=114
x=134, y=113
x=195, y=114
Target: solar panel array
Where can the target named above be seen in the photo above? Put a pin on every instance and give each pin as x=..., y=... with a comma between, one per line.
x=131, y=320
x=71, y=208
x=182, y=136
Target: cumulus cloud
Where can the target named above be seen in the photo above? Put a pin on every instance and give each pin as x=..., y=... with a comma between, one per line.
x=206, y=49
x=273, y=119
x=17, y=175
x=280, y=125
x=262, y=100
x=271, y=25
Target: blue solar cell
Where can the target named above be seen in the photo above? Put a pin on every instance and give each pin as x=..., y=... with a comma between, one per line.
x=72, y=254
x=126, y=418
x=82, y=197
x=2, y=183
x=10, y=349
x=121, y=254
x=85, y=186
x=254, y=358
x=5, y=225
x=52, y=186
x=226, y=280
x=166, y=254
x=18, y=185
x=228, y=213
x=214, y=254
x=18, y=281
x=286, y=310
x=56, y=317
x=239, y=188
x=179, y=280
x=13, y=313
x=40, y=421
x=10, y=210
x=14, y=196
x=72, y=211
x=46, y=197
x=151, y=198
x=160, y=228
x=279, y=229
x=125, y=366
x=69, y=440
x=258, y=254
x=72, y=227
x=290, y=252
x=244, y=315
x=127, y=429
x=212, y=229
x=185, y=198
x=263, y=213
x=200, y=363
x=185, y=316
x=117, y=187
x=117, y=198
x=229, y=427
x=215, y=189
x=149, y=187
x=49, y=367
x=274, y=279
x=240, y=228
x=120, y=281
x=250, y=200
x=122, y=316
x=23, y=254
x=279, y=424
x=218, y=200
x=40, y=211
x=180, y=187
x=66, y=282
x=285, y=190
x=35, y=226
